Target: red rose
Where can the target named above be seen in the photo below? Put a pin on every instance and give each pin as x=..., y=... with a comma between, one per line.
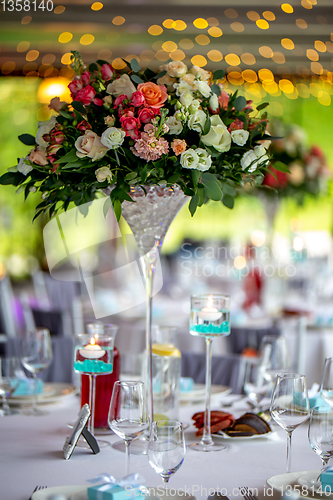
x=98, y=101
x=119, y=100
x=146, y=115
x=75, y=86
x=107, y=71
x=85, y=77
x=129, y=123
x=280, y=181
x=85, y=95
x=138, y=99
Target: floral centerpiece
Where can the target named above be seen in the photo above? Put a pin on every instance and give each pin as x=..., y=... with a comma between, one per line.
x=134, y=128
x=308, y=169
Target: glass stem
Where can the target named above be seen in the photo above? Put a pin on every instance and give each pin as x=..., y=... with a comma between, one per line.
x=288, y=468
x=127, y=463
x=324, y=461
x=92, y=392
x=206, y=437
x=34, y=402
x=148, y=262
x=5, y=405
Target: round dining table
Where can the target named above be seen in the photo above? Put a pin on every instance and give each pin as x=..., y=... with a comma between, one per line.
x=31, y=455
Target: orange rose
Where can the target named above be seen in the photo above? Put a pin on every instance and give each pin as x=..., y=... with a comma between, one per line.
x=155, y=95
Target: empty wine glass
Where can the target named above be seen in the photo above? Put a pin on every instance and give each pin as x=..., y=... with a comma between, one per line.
x=274, y=354
x=36, y=355
x=290, y=405
x=9, y=380
x=326, y=384
x=166, y=447
x=255, y=385
x=321, y=432
x=128, y=416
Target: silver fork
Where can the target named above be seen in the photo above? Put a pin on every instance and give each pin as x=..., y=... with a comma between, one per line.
x=37, y=489
x=247, y=493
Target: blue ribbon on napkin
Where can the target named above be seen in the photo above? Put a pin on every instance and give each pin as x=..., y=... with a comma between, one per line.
x=134, y=480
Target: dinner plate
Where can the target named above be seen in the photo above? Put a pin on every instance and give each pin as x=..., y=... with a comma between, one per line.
x=289, y=482
x=53, y=392
x=198, y=393
x=67, y=491
x=273, y=436
x=155, y=492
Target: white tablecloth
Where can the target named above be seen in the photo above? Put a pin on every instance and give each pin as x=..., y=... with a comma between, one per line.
x=31, y=454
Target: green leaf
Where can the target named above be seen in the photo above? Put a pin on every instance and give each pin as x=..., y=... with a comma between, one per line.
x=93, y=67
x=27, y=139
x=193, y=205
x=72, y=164
x=149, y=74
x=131, y=176
x=14, y=178
x=101, y=62
x=106, y=206
x=240, y=103
x=212, y=188
x=206, y=176
x=135, y=66
x=262, y=106
x=281, y=167
x=69, y=157
x=144, y=173
x=37, y=214
x=84, y=209
x=78, y=106
x=136, y=78
x=173, y=179
x=229, y=190
x=195, y=176
x=228, y=201
x=218, y=74
x=207, y=126
x=202, y=196
x=117, y=209
x=65, y=114
x=160, y=75
x=216, y=89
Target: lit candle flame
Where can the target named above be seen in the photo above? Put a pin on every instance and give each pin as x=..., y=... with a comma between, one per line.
x=92, y=341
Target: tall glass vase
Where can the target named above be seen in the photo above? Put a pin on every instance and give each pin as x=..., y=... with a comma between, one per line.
x=149, y=218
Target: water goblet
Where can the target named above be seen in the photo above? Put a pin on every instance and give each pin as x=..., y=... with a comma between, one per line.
x=166, y=447
x=128, y=416
x=321, y=432
x=326, y=384
x=9, y=380
x=290, y=405
x=256, y=386
x=273, y=351
x=210, y=317
x=36, y=356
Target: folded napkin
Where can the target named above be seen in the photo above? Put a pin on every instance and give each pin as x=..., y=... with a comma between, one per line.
x=186, y=384
x=26, y=387
x=130, y=486
x=315, y=398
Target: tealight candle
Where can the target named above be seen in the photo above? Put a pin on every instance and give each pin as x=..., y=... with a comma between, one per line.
x=92, y=351
x=209, y=314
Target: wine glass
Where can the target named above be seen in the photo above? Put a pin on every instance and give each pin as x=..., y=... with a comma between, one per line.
x=166, y=448
x=256, y=386
x=128, y=416
x=321, y=432
x=274, y=354
x=290, y=405
x=9, y=379
x=326, y=384
x=36, y=355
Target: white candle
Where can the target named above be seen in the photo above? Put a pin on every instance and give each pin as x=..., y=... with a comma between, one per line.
x=209, y=314
x=92, y=351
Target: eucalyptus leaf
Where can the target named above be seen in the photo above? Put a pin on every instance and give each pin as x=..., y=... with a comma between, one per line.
x=216, y=89
x=212, y=188
x=262, y=106
x=93, y=67
x=131, y=176
x=160, y=75
x=281, y=167
x=78, y=106
x=229, y=190
x=135, y=65
x=207, y=126
x=117, y=209
x=228, y=201
x=136, y=78
x=218, y=74
x=27, y=139
x=240, y=103
x=193, y=205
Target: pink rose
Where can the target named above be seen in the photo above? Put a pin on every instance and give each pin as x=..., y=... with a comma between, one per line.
x=75, y=86
x=56, y=104
x=119, y=100
x=138, y=99
x=133, y=134
x=38, y=156
x=83, y=126
x=146, y=115
x=223, y=99
x=89, y=145
x=98, y=101
x=129, y=123
x=85, y=95
x=85, y=77
x=107, y=71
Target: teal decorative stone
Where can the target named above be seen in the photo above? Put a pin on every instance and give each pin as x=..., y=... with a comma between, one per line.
x=93, y=366
x=212, y=329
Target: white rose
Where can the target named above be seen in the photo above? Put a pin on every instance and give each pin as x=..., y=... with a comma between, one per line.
x=122, y=85
x=213, y=102
x=203, y=88
x=200, y=73
x=182, y=87
x=189, y=159
x=166, y=80
x=103, y=173
x=175, y=126
x=260, y=153
x=186, y=99
x=194, y=106
x=240, y=137
x=90, y=145
x=249, y=158
x=197, y=121
x=205, y=160
x=24, y=167
x=176, y=69
x=45, y=128
x=113, y=137
x=218, y=135
x=189, y=79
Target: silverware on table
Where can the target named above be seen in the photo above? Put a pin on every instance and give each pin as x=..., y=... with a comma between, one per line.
x=247, y=493
x=217, y=496
x=37, y=489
